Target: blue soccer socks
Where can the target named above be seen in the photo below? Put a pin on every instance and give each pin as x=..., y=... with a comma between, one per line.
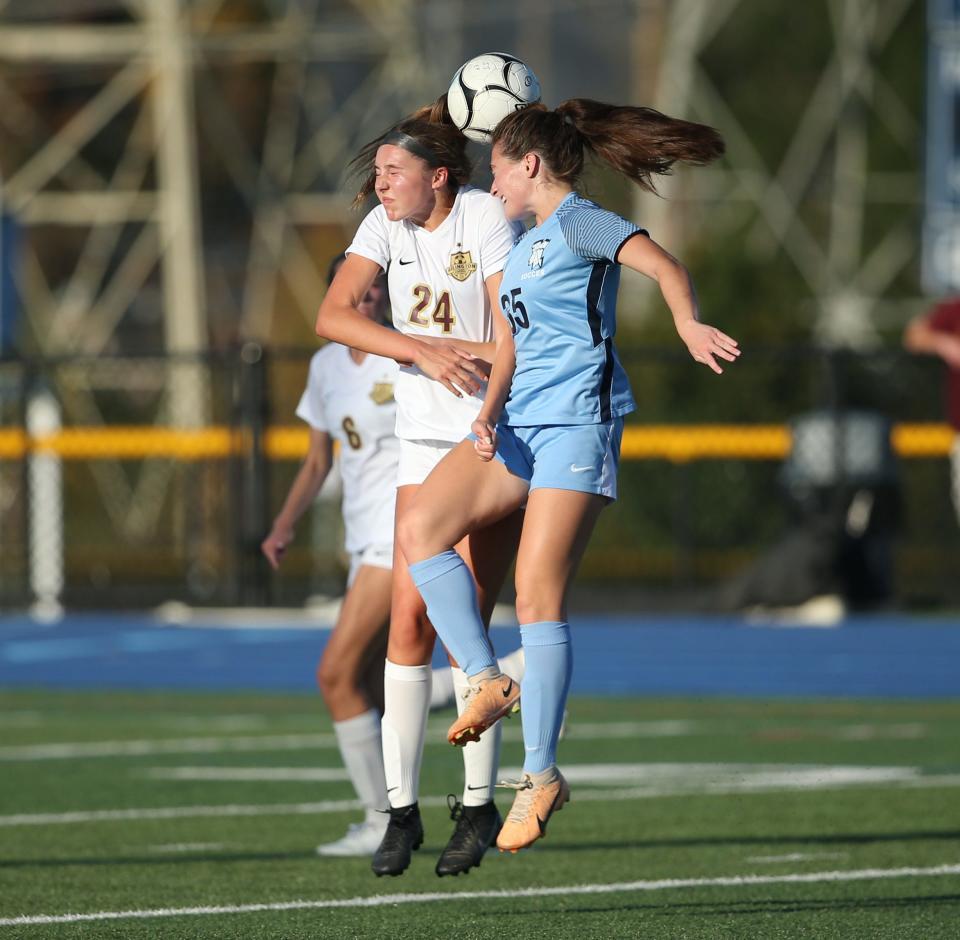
x=549, y=664
x=449, y=591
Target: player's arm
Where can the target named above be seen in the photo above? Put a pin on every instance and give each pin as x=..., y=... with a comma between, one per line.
x=482, y=353
x=705, y=343
x=501, y=376
x=303, y=491
x=920, y=336
x=339, y=320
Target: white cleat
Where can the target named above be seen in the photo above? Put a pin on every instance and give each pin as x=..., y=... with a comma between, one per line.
x=362, y=840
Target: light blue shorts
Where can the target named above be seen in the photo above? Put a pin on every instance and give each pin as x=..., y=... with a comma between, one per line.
x=581, y=457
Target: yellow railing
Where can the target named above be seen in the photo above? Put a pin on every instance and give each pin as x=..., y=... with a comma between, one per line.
x=676, y=443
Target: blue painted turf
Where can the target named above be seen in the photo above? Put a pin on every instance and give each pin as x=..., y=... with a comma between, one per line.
x=877, y=656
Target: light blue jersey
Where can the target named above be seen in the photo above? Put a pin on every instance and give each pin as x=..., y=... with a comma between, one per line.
x=559, y=293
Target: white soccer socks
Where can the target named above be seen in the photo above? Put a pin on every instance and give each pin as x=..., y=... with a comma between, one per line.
x=406, y=693
x=480, y=758
x=359, y=741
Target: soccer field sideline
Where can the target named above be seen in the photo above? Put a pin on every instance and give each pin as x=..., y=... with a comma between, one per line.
x=879, y=656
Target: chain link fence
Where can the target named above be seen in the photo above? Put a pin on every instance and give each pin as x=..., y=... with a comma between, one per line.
x=829, y=466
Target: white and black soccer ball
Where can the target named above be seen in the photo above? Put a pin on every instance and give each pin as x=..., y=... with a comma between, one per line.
x=488, y=88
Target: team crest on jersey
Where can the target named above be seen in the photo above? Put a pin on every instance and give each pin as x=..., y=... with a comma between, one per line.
x=536, y=253
x=461, y=265
x=382, y=392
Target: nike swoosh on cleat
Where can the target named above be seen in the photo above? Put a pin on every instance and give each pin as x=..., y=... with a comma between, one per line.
x=542, y=825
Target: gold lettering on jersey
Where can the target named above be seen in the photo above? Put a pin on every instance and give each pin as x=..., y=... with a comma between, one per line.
x=461, y=265
x=382, y=392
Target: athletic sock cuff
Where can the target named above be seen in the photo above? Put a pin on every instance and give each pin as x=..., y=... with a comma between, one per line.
x=423, y=572
x=406, y=673
x=361, y=727
x=545, y=633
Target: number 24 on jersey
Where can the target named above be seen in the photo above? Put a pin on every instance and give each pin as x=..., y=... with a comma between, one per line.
x=442, y=313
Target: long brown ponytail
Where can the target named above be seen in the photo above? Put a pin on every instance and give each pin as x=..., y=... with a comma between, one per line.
x=430, y=134
x=637, y=142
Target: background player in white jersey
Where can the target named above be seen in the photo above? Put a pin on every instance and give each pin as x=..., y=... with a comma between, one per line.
x=557, y=442
x=349, y=399
x=444, y=245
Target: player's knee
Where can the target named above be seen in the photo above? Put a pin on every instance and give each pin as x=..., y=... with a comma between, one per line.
x=412, y=529
x=411, y=635
x=332, y=680
x=535, y=604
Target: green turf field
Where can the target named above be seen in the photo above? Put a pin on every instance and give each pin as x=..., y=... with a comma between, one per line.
x=689, y=819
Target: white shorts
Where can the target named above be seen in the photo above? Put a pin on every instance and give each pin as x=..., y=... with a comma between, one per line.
x=379, y=555
x=418, y=458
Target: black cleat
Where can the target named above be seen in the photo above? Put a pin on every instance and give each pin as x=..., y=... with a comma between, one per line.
x=476, y=829
x=404, y=834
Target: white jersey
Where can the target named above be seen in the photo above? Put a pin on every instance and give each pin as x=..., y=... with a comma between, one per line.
x=436, y=282
x=354, y=404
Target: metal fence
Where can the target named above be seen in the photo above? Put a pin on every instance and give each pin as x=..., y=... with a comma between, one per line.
x=111, y=495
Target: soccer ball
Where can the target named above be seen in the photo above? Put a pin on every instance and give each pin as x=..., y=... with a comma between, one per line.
x=488, y=88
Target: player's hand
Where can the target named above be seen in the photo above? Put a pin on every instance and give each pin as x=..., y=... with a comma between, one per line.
x=452, y=367
x=274, y=546
x=707, y=344
x=485, y=444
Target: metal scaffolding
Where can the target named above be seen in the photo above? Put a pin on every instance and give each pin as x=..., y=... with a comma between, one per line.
x=150, y=68
x=825, y=168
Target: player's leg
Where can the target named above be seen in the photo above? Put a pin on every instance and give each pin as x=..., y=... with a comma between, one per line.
x=488, y=554
x=557, y=529
x=406, y=691
x=574, y=477
x=343, y=679
x=463, y=495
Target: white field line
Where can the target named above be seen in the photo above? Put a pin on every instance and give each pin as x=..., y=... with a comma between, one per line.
x=137, y=748
x=794, y=857
x=904, y=731
x=215, y=744
x=700, y=778
x=187, y=847
x=320, y=614
x=706, y=778
x=668, y=728
x=458, y=897
x=298, y=742
x=179, y=812
x=662, y=788
x=247, y=774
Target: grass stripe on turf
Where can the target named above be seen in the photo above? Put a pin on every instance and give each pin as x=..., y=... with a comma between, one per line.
x=382, y=900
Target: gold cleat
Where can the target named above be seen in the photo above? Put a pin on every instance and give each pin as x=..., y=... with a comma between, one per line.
x=533, y=806
x=487, y=702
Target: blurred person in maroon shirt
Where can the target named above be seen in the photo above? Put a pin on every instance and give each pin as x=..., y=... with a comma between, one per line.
x=937, y=332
